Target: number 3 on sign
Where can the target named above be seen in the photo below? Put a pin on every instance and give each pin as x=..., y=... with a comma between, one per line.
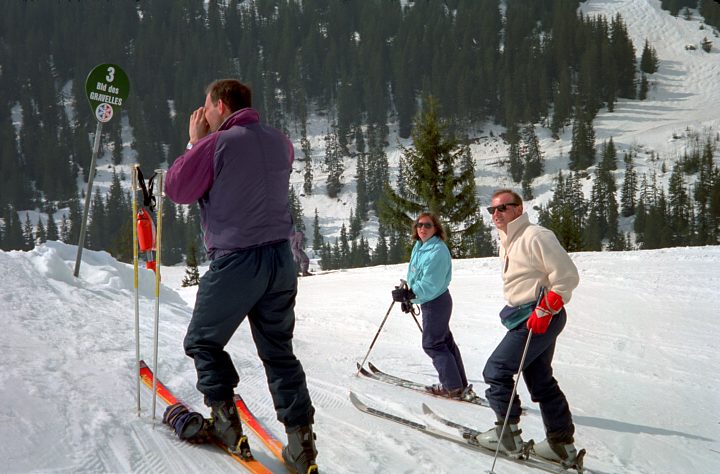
x=110, y=74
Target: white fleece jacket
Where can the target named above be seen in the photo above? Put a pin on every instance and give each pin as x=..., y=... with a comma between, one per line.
x=532, y=257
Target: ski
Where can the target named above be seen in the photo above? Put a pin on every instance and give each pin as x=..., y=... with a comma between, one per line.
x=147, y=376
x=246, y=416
x=271, y=442
x=458, y=438
x=470, y=433
x=377, y=374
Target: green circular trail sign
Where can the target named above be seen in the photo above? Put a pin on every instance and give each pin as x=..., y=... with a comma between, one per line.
x=107, y=87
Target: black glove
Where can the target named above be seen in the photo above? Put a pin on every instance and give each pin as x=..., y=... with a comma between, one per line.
x=406, y=306
x=401, y=295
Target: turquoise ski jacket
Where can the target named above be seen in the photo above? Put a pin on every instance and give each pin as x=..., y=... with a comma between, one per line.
x=430, y=269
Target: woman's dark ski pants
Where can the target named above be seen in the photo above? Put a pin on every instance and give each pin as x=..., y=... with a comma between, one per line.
x=439, y=344
x=503, y=364
x=259, y=283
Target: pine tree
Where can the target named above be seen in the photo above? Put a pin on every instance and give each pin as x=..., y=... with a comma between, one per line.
x=40, y=234
x=582, y=151
x=440, y=179
x=355, y=225
x=361, y=202
x=534, y=165
x=649, y=59
x=52, y=230
x=629, y=188
x=398, y=248
x=377, y=168
x=65, y=229
x=562, y=102
x=296, y=210
x=515, y=161
x=192, y=274
x=333, y=164
x=308, y=173
x=28, y=234
x=13, y=238
x=644, y=87
x=380, y=255
x=565, y=213
x=317, y=236
x=74, y=220
x=97, y=229
x=173, y=245
x=679, y=208
x=344, y=248
x=608, y=161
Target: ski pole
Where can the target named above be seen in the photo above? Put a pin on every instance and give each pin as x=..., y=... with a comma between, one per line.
x=158, y=245
x=376, y=335
x=134, y=186
x=403, y=284
x=512, y=397
x=514, y=390
x=412, y=312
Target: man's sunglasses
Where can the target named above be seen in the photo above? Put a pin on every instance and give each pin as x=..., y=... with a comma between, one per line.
x=427, y=225
x=501, y=207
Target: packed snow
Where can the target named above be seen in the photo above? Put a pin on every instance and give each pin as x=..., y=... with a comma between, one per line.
x=637, y=361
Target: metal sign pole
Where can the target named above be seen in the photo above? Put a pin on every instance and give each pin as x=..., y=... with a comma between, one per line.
x=88, y=197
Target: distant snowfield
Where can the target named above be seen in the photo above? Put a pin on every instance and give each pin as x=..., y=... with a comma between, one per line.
x=637, y=361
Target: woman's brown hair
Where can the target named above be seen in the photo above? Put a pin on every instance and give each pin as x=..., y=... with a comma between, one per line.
x=439, y=231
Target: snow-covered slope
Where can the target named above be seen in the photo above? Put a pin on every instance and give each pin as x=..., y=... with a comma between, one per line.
x=637, y=361
x=682, y=105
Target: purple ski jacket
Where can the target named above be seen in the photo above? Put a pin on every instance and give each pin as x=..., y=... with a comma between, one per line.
x=240, y=176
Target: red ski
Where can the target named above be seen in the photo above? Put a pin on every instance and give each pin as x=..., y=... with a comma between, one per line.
x=147, y=376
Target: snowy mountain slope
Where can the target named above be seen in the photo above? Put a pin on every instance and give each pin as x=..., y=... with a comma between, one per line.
x=637, y=362
x=682, y=105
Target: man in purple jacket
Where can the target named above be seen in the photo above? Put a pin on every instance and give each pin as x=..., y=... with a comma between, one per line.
x=238, y=170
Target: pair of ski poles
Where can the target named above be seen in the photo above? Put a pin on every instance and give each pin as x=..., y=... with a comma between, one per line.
x=403, y=285
x=158, y=249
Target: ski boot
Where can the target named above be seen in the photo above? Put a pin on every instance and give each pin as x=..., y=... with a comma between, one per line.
x=188, y=425
x=468, y=394
x=438, y=389
x=564, y=454
x=299, y=454
x=511, y=444
x=224, y=426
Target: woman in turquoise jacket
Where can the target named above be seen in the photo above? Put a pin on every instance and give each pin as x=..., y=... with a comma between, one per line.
x=428, y=277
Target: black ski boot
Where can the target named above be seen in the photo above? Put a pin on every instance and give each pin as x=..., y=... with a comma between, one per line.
x=299, y=454
x=225, y=427
x=188, y=425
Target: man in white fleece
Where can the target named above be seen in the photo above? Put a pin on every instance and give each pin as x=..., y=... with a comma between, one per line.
x=538, y=280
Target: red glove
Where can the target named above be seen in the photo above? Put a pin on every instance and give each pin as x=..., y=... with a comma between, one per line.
x=550, y=305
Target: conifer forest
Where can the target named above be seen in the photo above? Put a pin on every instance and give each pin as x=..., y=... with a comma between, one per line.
x=434, y=69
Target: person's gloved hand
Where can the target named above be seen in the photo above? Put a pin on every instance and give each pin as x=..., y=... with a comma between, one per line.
x=401, y=295
x=406, y=306
x=550, y=305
